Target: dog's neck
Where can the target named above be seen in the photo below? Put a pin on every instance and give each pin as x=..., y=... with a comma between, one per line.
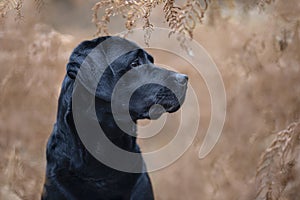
x=108, y=122
x=67, y=138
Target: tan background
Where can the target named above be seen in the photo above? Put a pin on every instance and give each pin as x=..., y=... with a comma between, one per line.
x=256, y=52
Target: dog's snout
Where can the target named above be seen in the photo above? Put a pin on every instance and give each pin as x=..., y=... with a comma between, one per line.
x=181, y=78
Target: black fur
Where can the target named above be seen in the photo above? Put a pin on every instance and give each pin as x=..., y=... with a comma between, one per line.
x=72, y=172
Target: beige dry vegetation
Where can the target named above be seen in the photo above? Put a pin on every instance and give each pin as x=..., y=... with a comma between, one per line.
x=258, y=54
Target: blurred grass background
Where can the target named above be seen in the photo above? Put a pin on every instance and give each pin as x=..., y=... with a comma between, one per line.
x=257, y=52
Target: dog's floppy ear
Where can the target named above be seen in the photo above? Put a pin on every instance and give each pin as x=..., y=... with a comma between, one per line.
x=92, y=60
x=79, y=54
x=86, y=63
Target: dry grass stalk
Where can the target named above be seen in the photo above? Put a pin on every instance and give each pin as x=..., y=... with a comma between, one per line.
x=13, y=172
x=275, y=168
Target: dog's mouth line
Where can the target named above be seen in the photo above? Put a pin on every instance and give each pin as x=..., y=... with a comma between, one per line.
x=170, y=105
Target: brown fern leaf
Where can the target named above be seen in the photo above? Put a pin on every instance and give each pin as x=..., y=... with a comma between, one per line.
x=262, y=3
x=6, y=6
x=103, y=23
x=172, y=14
x=148, y=26
x=18, y=8
x=274, y=170
x=192, y=12
x=39, y=4
x=181, y=20
x=132, y=11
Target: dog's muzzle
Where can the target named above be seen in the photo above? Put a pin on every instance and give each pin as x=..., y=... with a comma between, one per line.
x=171, y=100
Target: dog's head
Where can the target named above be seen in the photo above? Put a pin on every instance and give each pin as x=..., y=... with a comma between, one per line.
x=109, y=62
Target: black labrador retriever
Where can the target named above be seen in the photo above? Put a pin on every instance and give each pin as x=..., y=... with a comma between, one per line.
x=72, y=172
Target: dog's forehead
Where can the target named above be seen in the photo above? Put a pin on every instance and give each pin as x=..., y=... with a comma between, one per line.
x=100, y=58
x=116, y=46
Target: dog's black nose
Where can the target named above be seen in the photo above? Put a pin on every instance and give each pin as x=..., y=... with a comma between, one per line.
x=182, y=78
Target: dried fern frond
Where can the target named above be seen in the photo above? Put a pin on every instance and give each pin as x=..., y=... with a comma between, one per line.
x=130, y=10
x=181, y=20
x=262, y=3
x=18, y=8
x=39, y=4
x=8, y=5
x=274, y=171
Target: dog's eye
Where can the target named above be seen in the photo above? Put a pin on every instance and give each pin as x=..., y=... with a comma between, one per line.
x=135, y=63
